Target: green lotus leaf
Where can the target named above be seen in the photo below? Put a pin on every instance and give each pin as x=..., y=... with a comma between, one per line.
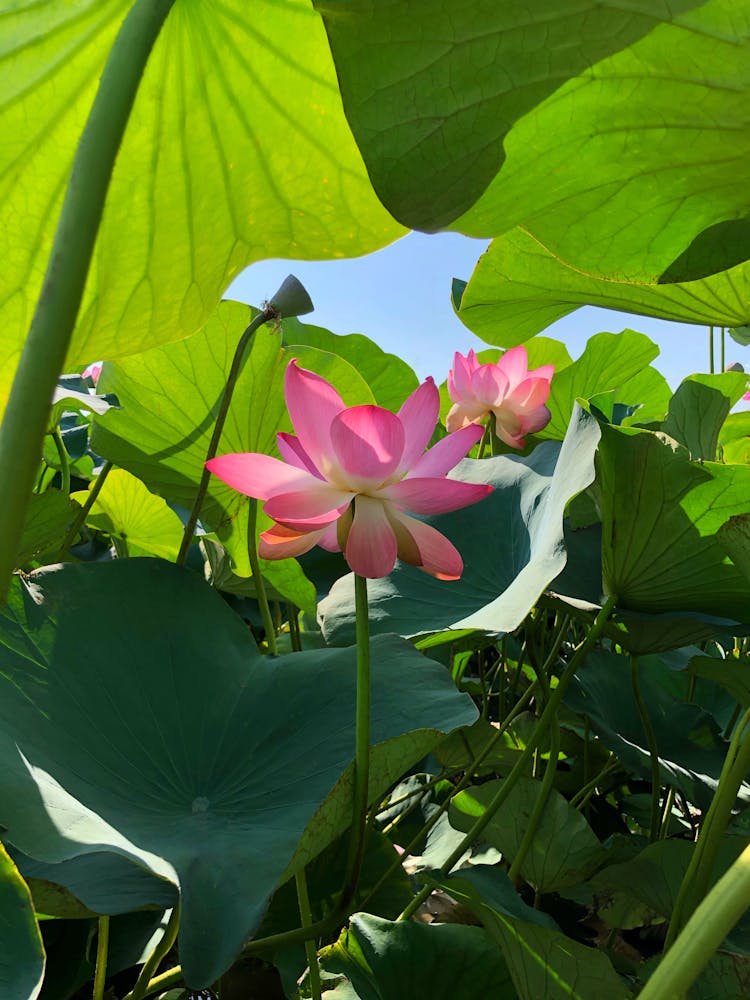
x=181, y=748
x=227, y=159
x=519, y=288
x=404, y=960
x=601, y=130
x=22, y=954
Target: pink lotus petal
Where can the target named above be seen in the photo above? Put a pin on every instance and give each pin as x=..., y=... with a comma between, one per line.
x=461, y=414
x=93, y=371
x=368, y=443
x=447, y=453
x=371, y=546
x=284, y=543
x=434, y=495
x=459, y=378
x=312, y=403
x=329, y=539
x=509, y=427
x=418, y=416
x=259, y=476
x=307, y=510
x=530, y=394
x=489, y=385
x=514, y=364
x=294, y=454
x=536, y=420
x=438, y=557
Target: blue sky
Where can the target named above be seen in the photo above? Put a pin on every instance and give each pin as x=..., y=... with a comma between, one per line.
x=400, y=298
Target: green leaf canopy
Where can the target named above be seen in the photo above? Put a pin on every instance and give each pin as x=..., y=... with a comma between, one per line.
x=511, y=544
x=614, y=135
x=137, y=716
x=519, y=288
x=237, y=149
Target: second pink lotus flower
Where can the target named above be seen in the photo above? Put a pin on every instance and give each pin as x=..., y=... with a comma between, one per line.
x=350, y=475
x=515, y=395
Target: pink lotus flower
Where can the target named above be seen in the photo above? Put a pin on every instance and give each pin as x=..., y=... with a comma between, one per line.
x=350, y=475
x=93, y=371
x=508, y=389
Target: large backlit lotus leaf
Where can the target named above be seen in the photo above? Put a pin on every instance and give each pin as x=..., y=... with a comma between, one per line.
x=137, y=717
x=660, y=515
x=237, y=149
x=169, y=398
x=511, y=544
x=519, y=288
x=616, y=135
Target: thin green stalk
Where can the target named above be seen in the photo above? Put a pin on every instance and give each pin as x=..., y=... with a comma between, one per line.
x=584, y=793
x=463, y=783
x=703, y=934
x=27, y=413
x=666, y=813
x=82, y=514
x=362, y=736
x=62, y=454
x=102, y=947
x=540, y=804
x=294, y=633
x=723, y=349
x=545, y=720
x=483, y=442
x=698, y=875
x=260, y=587
x=711, y=349
x=162, y=949
x=221, y=418
x=311, y=952
x=653, y=749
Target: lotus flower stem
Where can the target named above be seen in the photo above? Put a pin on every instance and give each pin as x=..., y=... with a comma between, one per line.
x=711, y=365
x=544, y=792
x=260, y=587
x=82, y=514
x=545, y=720
x=62, y=454
x=102, y=947
x=700, y=869
x=221, y=417
x=540, y=804
x=311, y=952
x=27, y=413
x=703, y=933
x=653, y=750
x=142, y=987
x=362, y=737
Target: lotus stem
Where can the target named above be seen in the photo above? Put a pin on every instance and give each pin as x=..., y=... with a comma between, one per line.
x=311, y=952
x=43, y=357
x=221, y=418
x=142, y=987
x=82, y=514
x=362, y=736
x=700, y=869
x=545, y=720
x=653, y=750
x=703, y=933
x=102, y=947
